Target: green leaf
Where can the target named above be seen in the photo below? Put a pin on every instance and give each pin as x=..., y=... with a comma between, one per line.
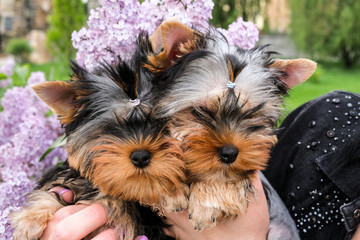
x=21, y=74
x=49, y=113
x=59, y=142
x=3, y=76
x=60, y=163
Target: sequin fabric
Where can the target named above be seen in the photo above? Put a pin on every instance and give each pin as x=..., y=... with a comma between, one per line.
x=312, y=167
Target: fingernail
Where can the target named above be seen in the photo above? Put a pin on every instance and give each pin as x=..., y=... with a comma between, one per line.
x=62, y=191
x=143, y=237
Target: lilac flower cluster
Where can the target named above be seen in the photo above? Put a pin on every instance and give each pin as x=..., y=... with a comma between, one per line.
x=25, y=134
x=7, y=69
x=241, y=33
x=113, y=27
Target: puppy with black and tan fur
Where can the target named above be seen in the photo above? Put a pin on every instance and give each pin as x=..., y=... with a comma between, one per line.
x=225, y=103
x=120, y=155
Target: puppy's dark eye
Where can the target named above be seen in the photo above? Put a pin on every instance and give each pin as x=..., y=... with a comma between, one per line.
x=160, y=51
x=203, y=109
x=255, y=128
x=197, y=112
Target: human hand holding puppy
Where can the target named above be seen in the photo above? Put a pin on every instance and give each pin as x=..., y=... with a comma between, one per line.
x=251, y=225
x=79, y=220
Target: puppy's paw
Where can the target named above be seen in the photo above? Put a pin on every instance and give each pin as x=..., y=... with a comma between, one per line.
x=203, y=217
x=31, y=221
x=176, y=203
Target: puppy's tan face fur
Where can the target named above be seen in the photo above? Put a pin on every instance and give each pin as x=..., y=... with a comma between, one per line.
x=113, y=171
x=106, y=158
x=225, y=139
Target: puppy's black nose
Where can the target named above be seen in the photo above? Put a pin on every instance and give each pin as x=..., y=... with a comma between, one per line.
x=140, y=158
x=228, y=153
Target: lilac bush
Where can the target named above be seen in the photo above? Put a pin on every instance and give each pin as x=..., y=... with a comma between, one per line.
x=113, y=27
x=25, y=134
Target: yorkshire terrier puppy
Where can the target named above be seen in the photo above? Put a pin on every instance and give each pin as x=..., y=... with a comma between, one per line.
x=120, y=155
x=225, y=103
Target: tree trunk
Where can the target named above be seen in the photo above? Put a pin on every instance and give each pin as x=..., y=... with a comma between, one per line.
x=348, y=57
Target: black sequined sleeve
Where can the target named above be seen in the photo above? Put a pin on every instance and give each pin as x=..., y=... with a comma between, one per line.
x=315, y=166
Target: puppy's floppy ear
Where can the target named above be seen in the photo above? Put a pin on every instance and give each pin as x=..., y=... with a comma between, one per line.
x=59, y=96
x=297, y=70
x=170, y=41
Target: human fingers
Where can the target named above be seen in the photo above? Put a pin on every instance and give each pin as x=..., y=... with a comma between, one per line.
x=111, y=234
x=180, y=225
x=108, y=234
x=64, y=193
x=80, y=224
x=58, y=217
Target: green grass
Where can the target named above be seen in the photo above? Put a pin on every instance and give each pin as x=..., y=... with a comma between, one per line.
x=53, y=70
x=329, y=77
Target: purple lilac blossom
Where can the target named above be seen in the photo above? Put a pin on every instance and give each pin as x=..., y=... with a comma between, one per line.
x=113, y=27
x=25, y=134
x=7, y=69
x=241, y=33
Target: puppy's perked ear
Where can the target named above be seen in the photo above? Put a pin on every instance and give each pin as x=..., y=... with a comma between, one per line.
x=297, y=70
x=170, y=41
x=59, y=96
